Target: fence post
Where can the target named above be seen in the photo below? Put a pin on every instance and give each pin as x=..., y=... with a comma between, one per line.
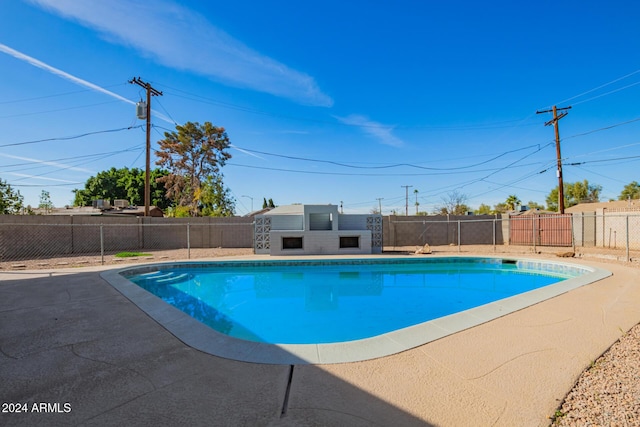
x=533, y=232
x=101, y=244
x=627, y=233
x=573, y=239
x=495, y=224
x=458, y=235
x=188, y=241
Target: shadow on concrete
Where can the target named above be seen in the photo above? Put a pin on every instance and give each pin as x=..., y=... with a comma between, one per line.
x=73, y=350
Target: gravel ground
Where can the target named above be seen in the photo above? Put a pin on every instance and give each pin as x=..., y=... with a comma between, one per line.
x=608, y=393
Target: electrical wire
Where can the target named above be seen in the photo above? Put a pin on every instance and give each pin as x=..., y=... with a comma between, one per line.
x=47, y=185
x=57, y=110
x=603, y=128
x=599, y=87
x=76, y=157
x=390, y=165
x=67, y=167
x=205, y=100
x=602, y=160
x=607, y=93
x=165, y=110
x=66, y=138
x=37, y=98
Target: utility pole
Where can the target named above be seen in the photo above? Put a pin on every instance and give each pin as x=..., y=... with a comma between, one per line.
x=147, y=173
x=251, y=202
x=406, y=204
x=379, y=199
x=554, y=121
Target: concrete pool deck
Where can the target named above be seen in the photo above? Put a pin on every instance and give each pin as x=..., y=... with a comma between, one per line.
x=67, y=336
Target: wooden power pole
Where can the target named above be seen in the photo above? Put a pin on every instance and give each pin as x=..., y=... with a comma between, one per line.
x=147, y=173
x=554, y=121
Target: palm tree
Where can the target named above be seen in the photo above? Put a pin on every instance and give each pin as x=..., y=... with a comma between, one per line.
x=512, y=201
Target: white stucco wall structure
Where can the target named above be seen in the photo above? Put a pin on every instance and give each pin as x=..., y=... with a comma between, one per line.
x=316, y=230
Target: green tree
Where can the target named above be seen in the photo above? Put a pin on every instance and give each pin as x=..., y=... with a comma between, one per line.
x=501, y=208
x=215, y=200
x=268, y=204
x=123, y=183
x=11, y=202
x=574, y=193
x=45, y=201
x=630, y=191
x=192, y=154
x=512, y=202
x=483, y=210
x=583, y=192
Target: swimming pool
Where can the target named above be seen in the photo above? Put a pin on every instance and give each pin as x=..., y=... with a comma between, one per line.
x=304, y=308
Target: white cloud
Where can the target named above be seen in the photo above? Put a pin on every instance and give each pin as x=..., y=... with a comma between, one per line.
x=379, y=131
x=180, y=38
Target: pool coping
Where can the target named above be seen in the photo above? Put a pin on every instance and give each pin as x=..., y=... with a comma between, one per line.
x=200, y=336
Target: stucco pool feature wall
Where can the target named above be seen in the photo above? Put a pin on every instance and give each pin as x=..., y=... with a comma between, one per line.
x=204, y=338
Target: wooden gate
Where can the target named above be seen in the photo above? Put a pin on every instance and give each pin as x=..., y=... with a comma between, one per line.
x=540, y=230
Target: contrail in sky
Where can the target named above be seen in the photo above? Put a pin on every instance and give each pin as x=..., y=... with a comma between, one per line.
x=36, y=63
x=44, y=162
x=80, y=82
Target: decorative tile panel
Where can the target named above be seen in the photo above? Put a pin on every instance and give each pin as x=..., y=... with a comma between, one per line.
x=374, y=224
x=261, y=233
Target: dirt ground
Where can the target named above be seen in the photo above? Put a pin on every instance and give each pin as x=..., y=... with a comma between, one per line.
x=618, y=256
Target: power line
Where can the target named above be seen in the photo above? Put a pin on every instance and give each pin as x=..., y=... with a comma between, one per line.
x=607, y=93
x=603, y=160
x=47, y=185
x=493, y=171
x=389, y=165
x=66, y=138
x=205, y=100
x=602, y=128
x=600, y=87
x=37, y=98
x=45, y=163
x=57, y=110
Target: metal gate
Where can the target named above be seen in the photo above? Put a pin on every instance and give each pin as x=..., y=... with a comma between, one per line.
x=540, y=230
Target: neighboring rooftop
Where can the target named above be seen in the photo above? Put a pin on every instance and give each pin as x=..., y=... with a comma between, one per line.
x=287, y=210
x=619, y=205
x=111, y=211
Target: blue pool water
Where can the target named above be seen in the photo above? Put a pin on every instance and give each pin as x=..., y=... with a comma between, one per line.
x=304, y=302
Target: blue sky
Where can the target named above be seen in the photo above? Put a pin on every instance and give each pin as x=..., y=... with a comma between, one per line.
x=327, y=102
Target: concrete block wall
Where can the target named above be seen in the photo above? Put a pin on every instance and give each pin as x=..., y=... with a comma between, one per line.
x=440, y=230
x=320, y=242
x=41, y=236
x=614, y=229
x=352, y=221
x=287, y=222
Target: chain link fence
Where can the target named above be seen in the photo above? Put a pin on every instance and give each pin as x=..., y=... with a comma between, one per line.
x=610, y=236
x=33, y=241
x=77, y=243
